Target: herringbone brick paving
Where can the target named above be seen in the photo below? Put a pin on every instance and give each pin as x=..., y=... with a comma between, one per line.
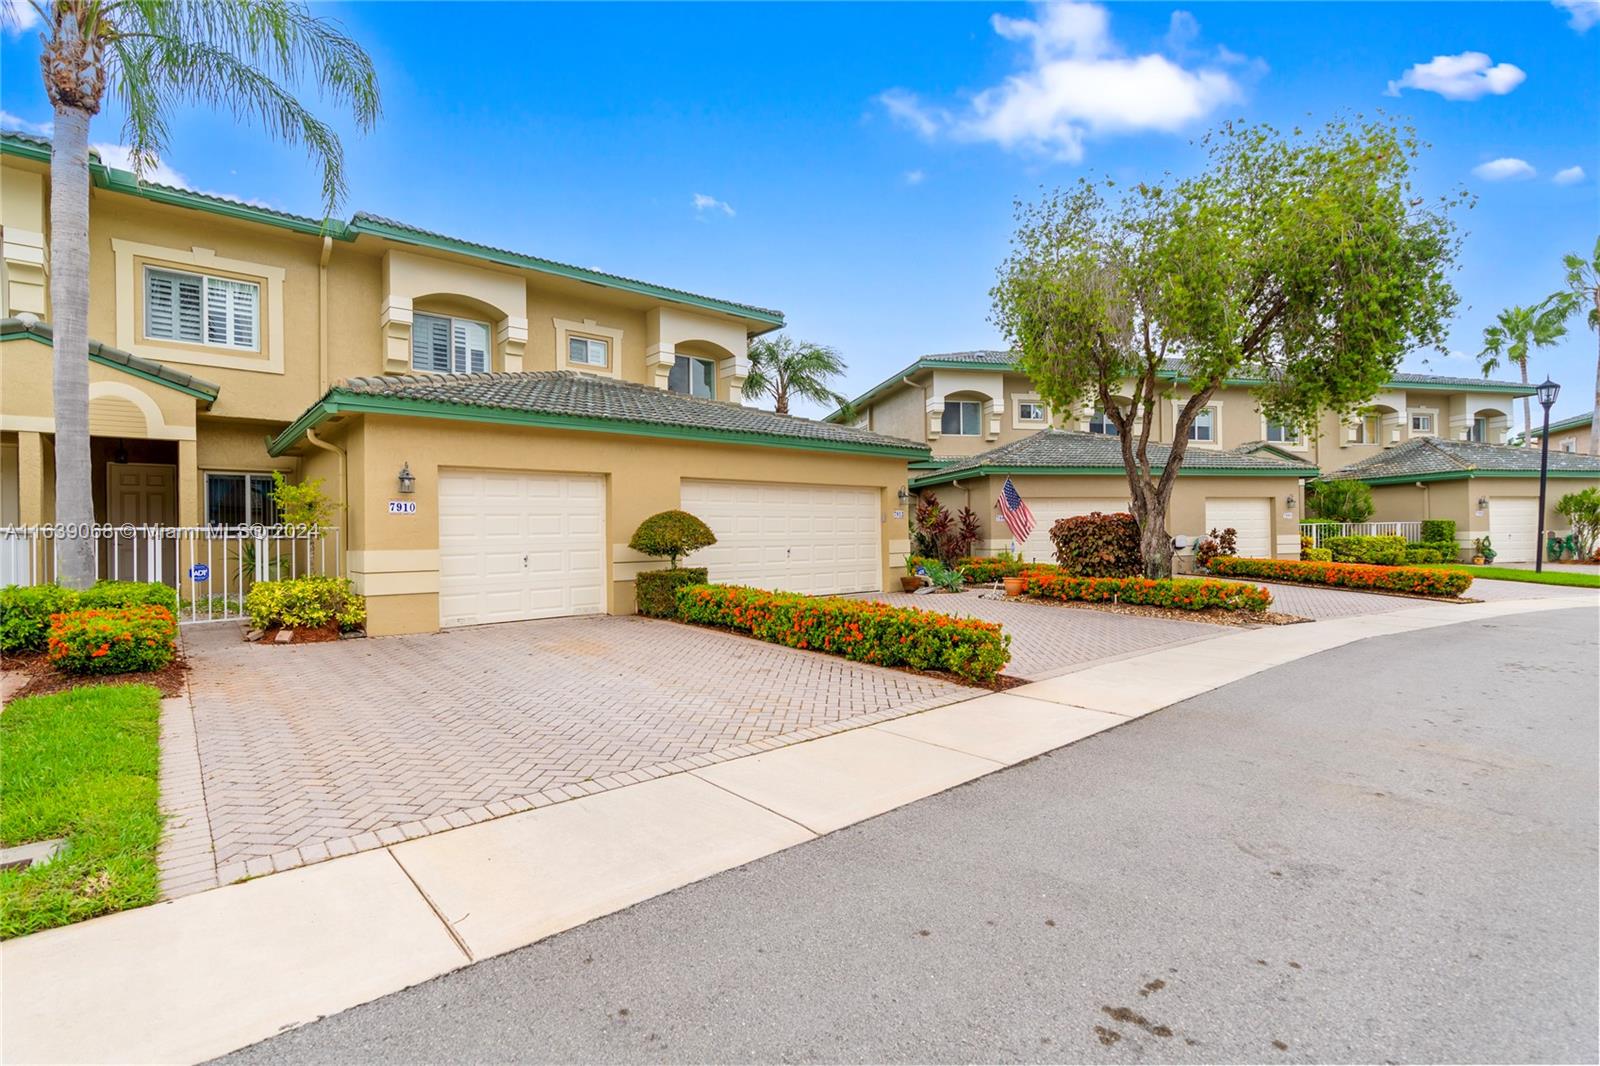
x=314, y=750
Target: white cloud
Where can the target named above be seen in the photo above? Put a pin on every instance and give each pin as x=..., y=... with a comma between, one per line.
x=1182, y=29
x=1569, y=176
x=121, y=157
x=22, y=125
x=1505, y=169
x=1077, y=84
x=914, y=177
x=1581, y=13
x=18, y=15
x=1461, y=77
x=704, y=204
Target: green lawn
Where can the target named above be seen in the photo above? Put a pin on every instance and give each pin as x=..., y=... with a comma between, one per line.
x=81, y=765
x=1507, y=573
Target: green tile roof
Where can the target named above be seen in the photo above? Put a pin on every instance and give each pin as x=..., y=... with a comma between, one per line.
x=1061, y=451
x=30, y=328
x=1575, y=422
x=1436, y=459
x=562, y=399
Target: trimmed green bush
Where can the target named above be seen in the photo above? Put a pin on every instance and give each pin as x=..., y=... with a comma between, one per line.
x=1182, y=593
x=1097, y=545
x=305, y=603
x=670, y=534
x=1438, y=530
x=1317, y=555
x=113, y=640
x=25, y=612
x=1374, y=551
x=1421, y=553
x=129, y=594
x=656, y=591
x=860, y=630
x=1412, y=579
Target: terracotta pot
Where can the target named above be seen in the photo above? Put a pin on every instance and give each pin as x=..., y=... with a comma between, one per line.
x=910, y=583
x=1477, y=560
x=1014, y=585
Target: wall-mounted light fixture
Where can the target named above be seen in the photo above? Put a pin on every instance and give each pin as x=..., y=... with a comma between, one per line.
x=1288, y=503
x=902, y=495
x=408, y=480
x=1483, y=503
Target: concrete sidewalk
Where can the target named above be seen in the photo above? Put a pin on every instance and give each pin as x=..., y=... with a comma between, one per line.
x=203, y=975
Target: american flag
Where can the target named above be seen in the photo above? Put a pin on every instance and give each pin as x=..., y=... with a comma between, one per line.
x=1018, y=518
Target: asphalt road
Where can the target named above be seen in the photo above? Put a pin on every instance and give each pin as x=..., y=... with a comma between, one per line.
x=1386, y=852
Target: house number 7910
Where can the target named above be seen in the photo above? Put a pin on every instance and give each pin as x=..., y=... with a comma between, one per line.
x=402, y=506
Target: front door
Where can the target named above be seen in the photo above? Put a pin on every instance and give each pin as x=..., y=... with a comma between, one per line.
x=139, y=495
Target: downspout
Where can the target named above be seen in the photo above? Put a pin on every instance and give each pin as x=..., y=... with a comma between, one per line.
x=322, y=317
x=344, y=503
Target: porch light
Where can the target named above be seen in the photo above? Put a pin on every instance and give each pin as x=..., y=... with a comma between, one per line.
x=1288, y=503
x=1548, y=393
x=408, y=480
x=902, y=495
x=1483, y=503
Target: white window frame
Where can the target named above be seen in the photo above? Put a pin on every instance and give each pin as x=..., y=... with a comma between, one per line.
x=961, y=430
x=247, y=476
x=1569, y=446
x=1213, y=426
x=464, y=353
x=209, y=284
x=1108, y=427
x=1473, y=432
x=590, y=343
x=1433, y=422
x=1362, y=425
x=692, y=359
x=1298, y=440
x=1030, y=411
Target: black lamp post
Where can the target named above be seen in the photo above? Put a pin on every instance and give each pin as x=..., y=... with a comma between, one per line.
x=1547, y=398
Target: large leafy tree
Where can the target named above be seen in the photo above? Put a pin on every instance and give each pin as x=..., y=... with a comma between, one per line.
x=1582, y=293
x=1305, y=262
x=1516, y=332
x=245, y=56
x=783, y=368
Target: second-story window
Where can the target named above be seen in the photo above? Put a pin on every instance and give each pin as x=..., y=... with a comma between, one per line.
x=1479, y=431
x=588, y=351
x=1278, y=433
x=1204, y=426
x=693, y=377
x=444, y=345
x=1422, y=424
x=1101, y=423
x=961, y=418
x=1569, y=446
x=201, y=309
x=1030, y=410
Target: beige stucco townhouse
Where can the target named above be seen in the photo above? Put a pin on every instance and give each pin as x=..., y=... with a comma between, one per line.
x=541, y=410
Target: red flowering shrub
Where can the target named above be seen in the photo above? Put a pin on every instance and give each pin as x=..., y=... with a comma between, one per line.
x=861, y=630
x=1185, y=594
x=113, y=640
x=1412, y=579
x=1097, y=545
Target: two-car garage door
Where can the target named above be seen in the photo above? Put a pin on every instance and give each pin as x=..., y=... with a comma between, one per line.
x=815, y=539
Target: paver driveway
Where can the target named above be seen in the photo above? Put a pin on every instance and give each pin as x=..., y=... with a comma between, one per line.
x=314, y=750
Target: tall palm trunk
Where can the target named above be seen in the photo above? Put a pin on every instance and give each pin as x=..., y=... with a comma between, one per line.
x=1594, y=423
x=1527, y=411
x=69, y=318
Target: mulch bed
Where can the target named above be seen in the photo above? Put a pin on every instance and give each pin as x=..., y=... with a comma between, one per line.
x=45, y=680
x=302, y=635
x=1214, y=615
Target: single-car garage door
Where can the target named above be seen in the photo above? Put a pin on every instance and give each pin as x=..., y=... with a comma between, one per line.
x=520, y=545
x=1250, y=519
x=1513, y=527
x=815, y=539
x=1047, y=511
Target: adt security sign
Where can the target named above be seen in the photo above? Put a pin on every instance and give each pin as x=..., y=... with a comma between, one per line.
x=199, y=572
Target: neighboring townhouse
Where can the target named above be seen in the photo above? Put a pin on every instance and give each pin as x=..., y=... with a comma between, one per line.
x=492, y=426
x=1486, y=489
x=1570, y=435
x=1242, y=470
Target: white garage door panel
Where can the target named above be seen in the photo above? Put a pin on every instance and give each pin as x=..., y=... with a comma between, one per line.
x=517, y=545
x=1513, y=528
x=1250, y=519
x=814, y=539
x=1048, y=510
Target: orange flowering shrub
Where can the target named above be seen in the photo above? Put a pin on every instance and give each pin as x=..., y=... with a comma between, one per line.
x=113, y=640
x=861, y=630
x=1183, y=593
x=1412, y=579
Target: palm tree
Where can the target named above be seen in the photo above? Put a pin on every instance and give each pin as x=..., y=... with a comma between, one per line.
x=782, y=367
x=1517, y=332
x=1583, y=287
x=242, y=55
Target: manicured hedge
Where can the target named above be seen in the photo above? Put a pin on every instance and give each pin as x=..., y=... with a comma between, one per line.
x=1410, y=579
x=1423, y=553
x=655, y=591
x=1097, y=545
x=305, y=603
x=129, y=594
x=1185, y=594
x=1438, y=531
x=25, y=610
x=1378, y=551
x=113, y=640
x=862, y=630
x=1317, y=555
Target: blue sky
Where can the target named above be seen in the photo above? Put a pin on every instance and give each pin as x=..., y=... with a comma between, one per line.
x=854, y=164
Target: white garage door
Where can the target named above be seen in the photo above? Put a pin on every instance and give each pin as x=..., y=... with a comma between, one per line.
x=1513, y=527
x=814, y=539
x=519, y=545
x=1047, y=511
x=1251, y=520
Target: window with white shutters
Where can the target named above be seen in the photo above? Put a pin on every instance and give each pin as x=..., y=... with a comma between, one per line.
x=200, y=309
x=443, y=345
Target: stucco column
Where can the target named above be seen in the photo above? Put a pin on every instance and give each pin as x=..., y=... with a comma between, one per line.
x=188, y=483
x=30, y=479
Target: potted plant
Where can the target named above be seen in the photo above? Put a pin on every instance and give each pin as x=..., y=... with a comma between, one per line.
x=1482, y=551
x=1015, y=584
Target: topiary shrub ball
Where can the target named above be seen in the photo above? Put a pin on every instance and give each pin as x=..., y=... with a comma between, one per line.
x=671, y=534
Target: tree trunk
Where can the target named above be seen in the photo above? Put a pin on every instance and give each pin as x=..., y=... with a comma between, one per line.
x=1594, y=423
x=69, y=319
x=1527, y=411
x=1155, y=543
x=780, y=401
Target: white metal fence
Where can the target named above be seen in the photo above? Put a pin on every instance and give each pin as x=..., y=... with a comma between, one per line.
x=1320, y=531
x=211, y=567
